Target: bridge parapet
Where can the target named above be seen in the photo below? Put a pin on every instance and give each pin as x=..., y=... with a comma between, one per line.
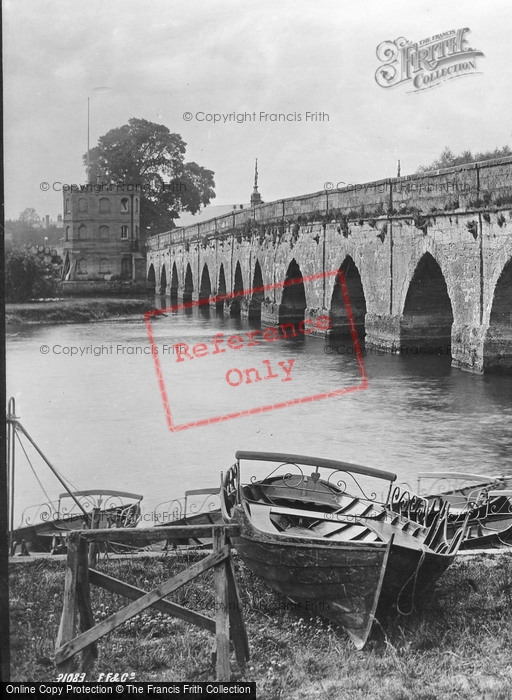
x=469, y=186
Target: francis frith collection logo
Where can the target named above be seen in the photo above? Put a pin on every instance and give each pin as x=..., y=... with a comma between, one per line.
x=426, y=63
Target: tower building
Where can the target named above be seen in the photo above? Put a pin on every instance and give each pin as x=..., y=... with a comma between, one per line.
x=102, y=234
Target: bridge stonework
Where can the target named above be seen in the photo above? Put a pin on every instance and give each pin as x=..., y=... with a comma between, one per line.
x=427, y=261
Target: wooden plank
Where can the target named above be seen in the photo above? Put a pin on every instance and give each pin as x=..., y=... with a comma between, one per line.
x=69, y=610
x=90, y=653
x=153, y=534
x=221, y=609
x=126, y=613
x=93, y=547
x=165, y=606
x=236, y=618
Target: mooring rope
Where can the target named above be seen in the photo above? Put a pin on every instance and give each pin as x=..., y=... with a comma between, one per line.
x=415, y=576
x=33, y=470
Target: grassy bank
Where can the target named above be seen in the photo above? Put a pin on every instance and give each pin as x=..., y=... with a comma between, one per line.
x=75, y=310
x=457, y=645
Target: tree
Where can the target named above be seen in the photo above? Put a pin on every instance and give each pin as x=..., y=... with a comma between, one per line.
x=147, y=154
x=29, y=216
x=448, y=159
x=25, y=277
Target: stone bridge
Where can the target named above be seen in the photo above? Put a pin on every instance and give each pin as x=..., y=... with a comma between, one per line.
x=427, y=261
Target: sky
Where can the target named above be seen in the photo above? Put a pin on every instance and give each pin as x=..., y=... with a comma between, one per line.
x=162, y=59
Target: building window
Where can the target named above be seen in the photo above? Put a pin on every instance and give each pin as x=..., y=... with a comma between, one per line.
x=104, y=266
x=104, y=205
x=68, y=208
x=81, y=267
x=67, y=233
x=82, y=233
x=124, y=231
x=136, y=231
x=82, y=204
x=124, y=206
x=136, y=205
x=104, y=232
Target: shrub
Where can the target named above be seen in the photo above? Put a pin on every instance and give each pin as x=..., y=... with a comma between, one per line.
x=25, y=277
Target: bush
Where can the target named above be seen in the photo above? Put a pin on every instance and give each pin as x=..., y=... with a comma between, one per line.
x=26, y=277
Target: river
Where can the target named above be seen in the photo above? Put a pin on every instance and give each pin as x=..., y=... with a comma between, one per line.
x=99, y=416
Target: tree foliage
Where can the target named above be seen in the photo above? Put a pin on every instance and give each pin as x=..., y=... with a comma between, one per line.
x=30, y=217
x=147, y=154
x=25, y=277
x=448, y=159
x=21, y=231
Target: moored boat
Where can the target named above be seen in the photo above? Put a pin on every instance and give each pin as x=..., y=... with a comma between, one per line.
x=44, y=527
x=483, y=503
x=330, y=546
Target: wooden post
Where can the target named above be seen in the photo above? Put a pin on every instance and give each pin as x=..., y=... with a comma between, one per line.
x=93, y=546
x=90, y=653
x=222, y=608
x=68, y=619
x=236, y=620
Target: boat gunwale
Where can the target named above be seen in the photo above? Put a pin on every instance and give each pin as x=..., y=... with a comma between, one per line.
x=336, y=465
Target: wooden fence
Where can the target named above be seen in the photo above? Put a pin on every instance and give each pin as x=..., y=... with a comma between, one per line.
x=77, y=610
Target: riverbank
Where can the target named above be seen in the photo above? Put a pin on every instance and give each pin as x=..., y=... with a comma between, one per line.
x=458, y=643
x=76, y=310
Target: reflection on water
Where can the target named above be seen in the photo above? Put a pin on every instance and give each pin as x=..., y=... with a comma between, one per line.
x=100, y=419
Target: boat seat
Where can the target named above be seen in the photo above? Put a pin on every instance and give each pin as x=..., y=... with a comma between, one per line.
x=355, y=507
x=260, y=517
x=365, y=535
x=331, y=529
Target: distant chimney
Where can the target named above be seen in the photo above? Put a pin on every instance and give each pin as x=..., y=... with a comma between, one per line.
x=47, y=221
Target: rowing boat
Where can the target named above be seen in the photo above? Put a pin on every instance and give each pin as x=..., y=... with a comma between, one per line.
x=328, y=544
x=44, y=527
x=483, y=502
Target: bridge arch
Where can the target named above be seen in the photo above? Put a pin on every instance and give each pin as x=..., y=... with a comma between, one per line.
x=238, y=290
x=188, y=289
x=258, y=294
x=163, y=281
x=497, y=352
x=293, y=300
x=174, y=284
x=205, y=288
x=356, y=299
x=427, y=317
x=221, y=290
x=152, y=278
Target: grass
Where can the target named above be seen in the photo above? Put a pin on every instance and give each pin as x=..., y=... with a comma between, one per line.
x=458, y=644
x=75, y=310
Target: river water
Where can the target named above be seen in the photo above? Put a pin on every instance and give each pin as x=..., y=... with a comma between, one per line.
x=99, y=414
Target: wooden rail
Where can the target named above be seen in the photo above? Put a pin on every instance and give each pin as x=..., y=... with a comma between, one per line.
x=77, y=610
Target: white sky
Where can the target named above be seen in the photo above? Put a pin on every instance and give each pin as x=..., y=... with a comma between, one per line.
x=162, y=58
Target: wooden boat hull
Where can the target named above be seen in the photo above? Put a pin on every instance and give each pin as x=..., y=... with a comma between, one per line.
x=48, y=535
x=346, y=583
x=338, y=554
x=339, y=581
